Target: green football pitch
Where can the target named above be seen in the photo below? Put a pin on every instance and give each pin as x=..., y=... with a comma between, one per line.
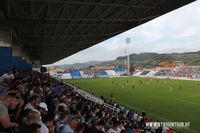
x=162, y=99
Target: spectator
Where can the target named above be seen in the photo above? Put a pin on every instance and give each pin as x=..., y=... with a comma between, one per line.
x=66, y=102
x=71, y=126
x=62, y=122
x=46, y=124
x=7, y=77
x=24, y=115
x=33, y=101
x=114, y=128
x=98, y=128
x=10, y=102
x=79, y=128
x=32, y=128
x=42, y=108
x=87, y=124
x=33, y=117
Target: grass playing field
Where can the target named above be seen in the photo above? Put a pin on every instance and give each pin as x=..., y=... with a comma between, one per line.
x=162, y=99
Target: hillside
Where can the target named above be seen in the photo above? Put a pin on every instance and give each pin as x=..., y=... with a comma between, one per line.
x=144, y=60
x=82, y=65
x=153, y=59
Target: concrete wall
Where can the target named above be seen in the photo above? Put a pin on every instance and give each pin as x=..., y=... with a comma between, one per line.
x=5, y=50
x=20, y=59
x=5, y=59
x=12, y=55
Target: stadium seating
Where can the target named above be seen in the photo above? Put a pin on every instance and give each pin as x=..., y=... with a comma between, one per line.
x=102, y=72
x=189, y=72
x=75, y=74
x=85, y=74
x=120, y=71
x=137, y=73
x=144, y=73
x=81, y=72
x=111, y=73
x=65, y=76
x=152, y=73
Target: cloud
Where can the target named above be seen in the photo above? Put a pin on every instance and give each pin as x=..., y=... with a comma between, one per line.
x=177, y=31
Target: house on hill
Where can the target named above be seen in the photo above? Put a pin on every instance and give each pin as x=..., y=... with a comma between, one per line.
x=166, y=64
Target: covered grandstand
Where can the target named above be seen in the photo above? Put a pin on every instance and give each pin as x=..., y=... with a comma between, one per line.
x=45, y=31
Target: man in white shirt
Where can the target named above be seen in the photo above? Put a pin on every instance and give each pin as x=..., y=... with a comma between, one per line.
x=33, y=101
x=111, y=130
x=43, y=128
x=3, y=77
x=114, y=128
x=46, y=124
x=7, y=77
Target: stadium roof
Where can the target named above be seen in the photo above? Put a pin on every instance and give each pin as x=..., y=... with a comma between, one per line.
x=50, y=30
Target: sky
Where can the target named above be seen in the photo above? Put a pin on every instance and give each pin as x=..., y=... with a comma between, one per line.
x=174, y=32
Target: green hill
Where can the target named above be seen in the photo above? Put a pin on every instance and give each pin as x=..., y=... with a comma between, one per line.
x=153, y=59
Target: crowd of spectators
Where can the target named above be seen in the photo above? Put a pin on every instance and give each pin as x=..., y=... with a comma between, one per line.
x=32, y=102
x=192, y=72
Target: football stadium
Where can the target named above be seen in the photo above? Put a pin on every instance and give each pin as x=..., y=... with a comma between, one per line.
x=151, y=87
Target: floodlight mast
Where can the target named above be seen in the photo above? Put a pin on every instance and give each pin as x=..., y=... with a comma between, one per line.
x=128, y=41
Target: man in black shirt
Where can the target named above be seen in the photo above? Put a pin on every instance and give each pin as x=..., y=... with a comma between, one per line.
x=87, y=125
x=97, y=128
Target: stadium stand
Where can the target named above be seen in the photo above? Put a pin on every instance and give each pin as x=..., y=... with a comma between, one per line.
x=75, y=74
x=147, y=73
x=183, y=72
x=111, y=73
x=65, y=76
x=102, y=73
x=190, y=72
x=120, y=71
x=152, y=73
x=89, y=73
x=136, y=73
x=144, y=73
x=81, y=72
x=86, y=74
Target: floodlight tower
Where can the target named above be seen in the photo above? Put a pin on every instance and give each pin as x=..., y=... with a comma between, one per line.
x=128, y=41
